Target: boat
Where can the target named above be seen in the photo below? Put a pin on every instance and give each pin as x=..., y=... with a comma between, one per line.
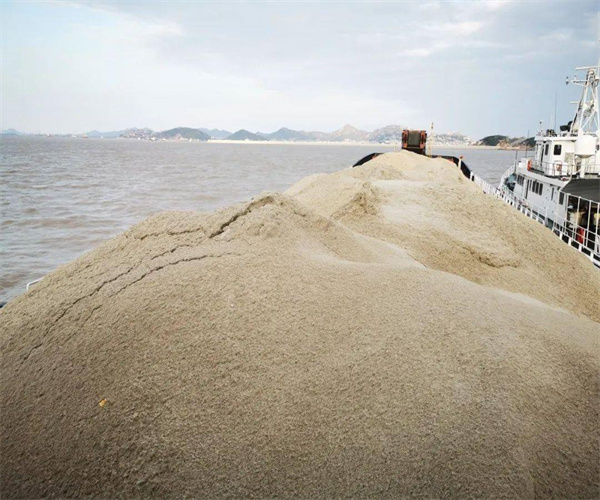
x=559, y=183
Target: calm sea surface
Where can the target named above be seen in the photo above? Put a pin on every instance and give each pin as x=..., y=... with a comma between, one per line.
x=60, y=197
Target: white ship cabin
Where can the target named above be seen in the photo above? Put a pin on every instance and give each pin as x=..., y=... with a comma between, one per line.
x=557, y=159
x=564, y=155
x=575, y=151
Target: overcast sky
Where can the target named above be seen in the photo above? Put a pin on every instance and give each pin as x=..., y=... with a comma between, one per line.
x=475, y=67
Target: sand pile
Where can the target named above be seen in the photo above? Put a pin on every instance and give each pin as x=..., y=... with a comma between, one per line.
x=445, y=222
x=310, y=344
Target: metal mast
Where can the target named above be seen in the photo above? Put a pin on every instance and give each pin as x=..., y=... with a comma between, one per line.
x=587, y=116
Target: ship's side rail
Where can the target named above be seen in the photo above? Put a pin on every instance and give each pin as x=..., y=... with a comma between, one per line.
x=512, y=170
x=579, y=237
x=560, y=168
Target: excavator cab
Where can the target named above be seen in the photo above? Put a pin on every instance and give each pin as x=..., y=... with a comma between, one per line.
x=414, y=140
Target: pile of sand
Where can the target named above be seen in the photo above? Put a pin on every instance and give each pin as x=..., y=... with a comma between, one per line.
x=383, y=331
x=443, y=220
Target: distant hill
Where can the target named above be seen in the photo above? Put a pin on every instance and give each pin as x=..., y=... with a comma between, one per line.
x=493, y=140
x=390, y=133
x=526, y=142
x=216, y=133
x=11, y=131
x=348, y=133
x=182, y=133
x=286, y=134
x=244, y=135
x=504, y=141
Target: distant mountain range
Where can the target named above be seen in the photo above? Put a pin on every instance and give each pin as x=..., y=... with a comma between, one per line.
x=348, y=133
x=385, y=135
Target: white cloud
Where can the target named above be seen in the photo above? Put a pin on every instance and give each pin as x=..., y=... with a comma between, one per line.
x=495, y=4
x=557, y=36
x=465, y=28
x=427, y=51
x=422, y=52
x=438, y=37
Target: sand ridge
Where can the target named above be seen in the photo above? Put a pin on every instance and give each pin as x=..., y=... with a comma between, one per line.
x=441, y=218
x=363, y=334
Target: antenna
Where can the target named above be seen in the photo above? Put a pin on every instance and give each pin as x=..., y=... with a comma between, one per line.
x=555, y=105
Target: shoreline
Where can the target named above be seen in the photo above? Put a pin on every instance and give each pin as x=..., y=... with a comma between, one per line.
x=395, y=146
x=334, y=143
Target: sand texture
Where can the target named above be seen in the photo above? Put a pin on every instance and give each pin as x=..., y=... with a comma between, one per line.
x=384, y=331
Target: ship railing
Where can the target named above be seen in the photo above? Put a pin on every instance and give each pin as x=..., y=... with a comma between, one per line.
x=512, y=170
x=486, y=187
x=561, y=168
x=582, y=238
x=576, y=235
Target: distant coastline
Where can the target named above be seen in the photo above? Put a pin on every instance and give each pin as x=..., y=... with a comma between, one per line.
x=392, y=146
x=388, y=136
x=303, y=143
x=397, y=145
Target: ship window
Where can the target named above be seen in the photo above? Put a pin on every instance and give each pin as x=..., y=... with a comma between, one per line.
x=546, y=149
x=536, y=187
x=557, y=149
x=561, y=198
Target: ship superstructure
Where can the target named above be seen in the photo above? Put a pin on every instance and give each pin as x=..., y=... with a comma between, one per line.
x=559, y=184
